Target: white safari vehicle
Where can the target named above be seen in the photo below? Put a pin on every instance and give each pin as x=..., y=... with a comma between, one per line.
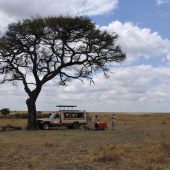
x=70, y=118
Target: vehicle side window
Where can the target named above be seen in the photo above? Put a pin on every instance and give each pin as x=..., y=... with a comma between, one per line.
x=57, y=116
x=74, y=115
x=80, y=115
x=52, y=116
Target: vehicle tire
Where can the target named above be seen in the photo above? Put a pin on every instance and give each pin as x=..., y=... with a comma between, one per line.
x=76, y=125
x=45, y=126
x=69, y=127
x=40, y=126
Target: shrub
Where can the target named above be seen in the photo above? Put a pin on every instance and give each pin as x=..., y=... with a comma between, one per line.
x=39, y=113
x=5, y=111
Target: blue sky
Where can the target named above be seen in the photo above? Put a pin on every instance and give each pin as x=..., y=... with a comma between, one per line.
x=145, y=13
x=140, y=84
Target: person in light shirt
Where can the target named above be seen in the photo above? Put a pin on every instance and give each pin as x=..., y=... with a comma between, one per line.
x=94, y=122
x=113, y=121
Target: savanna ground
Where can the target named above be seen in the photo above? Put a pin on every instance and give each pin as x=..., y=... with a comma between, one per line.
x=138, y=142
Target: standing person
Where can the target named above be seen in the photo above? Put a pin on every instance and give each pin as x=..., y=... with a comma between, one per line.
x=113, y=120
x=94, y=122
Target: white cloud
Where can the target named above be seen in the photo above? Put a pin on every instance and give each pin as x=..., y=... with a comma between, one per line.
x=139, y=42
x=25, y=8
x=11, y=10
x=4, y=20
x=160, y=2
x=141, y=88
x=96, y=7
x=138, y=88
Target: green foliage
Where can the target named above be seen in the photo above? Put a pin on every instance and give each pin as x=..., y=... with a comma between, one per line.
x=69, y=43
x=5, y=111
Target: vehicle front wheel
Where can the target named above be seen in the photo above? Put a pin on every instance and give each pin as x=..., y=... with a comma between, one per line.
x=45, y=126
x=40, y=126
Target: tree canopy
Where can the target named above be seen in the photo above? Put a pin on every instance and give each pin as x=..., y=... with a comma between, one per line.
x=37, y=50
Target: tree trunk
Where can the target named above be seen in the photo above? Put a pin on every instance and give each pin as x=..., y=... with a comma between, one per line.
x=31, y=124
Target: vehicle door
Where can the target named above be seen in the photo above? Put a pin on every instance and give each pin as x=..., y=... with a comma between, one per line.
x=56, y=119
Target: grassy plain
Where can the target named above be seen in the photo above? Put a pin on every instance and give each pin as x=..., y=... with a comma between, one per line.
x=138, y=142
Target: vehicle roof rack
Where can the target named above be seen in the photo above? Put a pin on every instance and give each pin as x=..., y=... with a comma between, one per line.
x=62, y=107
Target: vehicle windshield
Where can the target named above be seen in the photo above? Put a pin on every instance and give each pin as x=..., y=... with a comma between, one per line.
x=52, y=115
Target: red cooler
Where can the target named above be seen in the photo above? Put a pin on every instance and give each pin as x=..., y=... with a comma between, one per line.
x=102, y=126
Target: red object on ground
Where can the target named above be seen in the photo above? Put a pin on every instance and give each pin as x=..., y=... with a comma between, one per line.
x=101, y=125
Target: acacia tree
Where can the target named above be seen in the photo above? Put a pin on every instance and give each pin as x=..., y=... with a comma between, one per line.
x=37, y=50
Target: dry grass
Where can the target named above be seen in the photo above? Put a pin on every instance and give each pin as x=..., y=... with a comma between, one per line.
x=110, y=153
x=138, y=142
x=15, y=122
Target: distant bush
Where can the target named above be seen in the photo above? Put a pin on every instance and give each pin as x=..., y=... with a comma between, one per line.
x=42, y=115
x=16, y=115
x=5, y=111
x=39, y=113
x=21, y=115
x=24, y=115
